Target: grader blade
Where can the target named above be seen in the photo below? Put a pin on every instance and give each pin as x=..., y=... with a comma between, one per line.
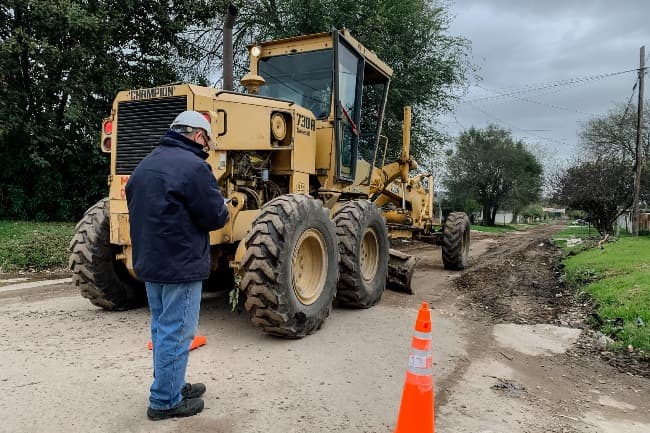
x=400, y=271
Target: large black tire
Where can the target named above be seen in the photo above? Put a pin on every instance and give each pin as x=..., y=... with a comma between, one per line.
x=290, y=267
x=363, y=247
x=100, y=277
x=455, y=241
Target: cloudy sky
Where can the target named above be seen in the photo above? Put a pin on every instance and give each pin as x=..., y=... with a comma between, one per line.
x=549, y=58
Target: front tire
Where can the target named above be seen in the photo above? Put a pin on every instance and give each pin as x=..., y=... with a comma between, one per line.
x=100, y=277
x=363, y=247
x=455, y=241
x=290, y=266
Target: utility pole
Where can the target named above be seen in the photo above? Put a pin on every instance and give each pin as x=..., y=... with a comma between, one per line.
x=639, y=127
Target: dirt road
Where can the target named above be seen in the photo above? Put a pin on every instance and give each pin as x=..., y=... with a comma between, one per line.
x=506, y=359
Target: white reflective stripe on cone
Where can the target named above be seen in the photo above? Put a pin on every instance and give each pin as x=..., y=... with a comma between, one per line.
x=420, y=371
x=420, y=362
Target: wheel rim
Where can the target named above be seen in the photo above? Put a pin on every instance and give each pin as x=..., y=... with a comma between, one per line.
x=369, y=255
x=309, y=266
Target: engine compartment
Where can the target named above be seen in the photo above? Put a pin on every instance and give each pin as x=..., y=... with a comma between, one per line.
x=250, y=173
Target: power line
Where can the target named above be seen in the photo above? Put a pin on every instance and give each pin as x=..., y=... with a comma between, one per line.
x=515, y=128
x=544, y=104
x=555, y=86
x=629, y=102
x=551, y=85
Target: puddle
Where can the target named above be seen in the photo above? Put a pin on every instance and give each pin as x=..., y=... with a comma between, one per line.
x=536, y=340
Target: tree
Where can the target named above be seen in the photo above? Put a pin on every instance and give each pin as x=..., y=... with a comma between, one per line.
x=461, y=203
x=63, y=61
x=61, y=64
x=613, y=135
x=532, y=212
x=526, y=188
x=602, y=186
x=490, y=167
x=430, y=65
x=603, y=189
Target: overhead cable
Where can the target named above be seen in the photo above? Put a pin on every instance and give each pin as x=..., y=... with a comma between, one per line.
x=544, y=86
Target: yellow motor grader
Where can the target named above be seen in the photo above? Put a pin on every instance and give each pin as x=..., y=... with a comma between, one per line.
x=314, y=205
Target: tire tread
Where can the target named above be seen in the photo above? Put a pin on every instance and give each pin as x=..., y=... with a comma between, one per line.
x=266, y=244
x=92, y=264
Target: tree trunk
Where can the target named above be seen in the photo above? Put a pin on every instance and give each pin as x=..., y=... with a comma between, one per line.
x=493, y=216
x=515, y=217
x=486, y=215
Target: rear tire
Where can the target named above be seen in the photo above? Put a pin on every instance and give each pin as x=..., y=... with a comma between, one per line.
x=290, y=266
x=100, y=277
x=455, y=241
x=363, y=247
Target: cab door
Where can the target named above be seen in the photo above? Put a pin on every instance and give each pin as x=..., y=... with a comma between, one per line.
x=348, y=85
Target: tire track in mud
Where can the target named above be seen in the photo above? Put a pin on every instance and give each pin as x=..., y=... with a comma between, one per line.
x=517, y=280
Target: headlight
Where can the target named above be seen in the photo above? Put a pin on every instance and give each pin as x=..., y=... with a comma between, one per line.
x=278, y=126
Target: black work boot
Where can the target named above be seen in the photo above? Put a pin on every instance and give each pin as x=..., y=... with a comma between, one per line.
x=193, y=390
x=188, y=407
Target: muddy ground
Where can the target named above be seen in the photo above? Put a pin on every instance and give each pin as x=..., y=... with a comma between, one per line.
x=511, y=354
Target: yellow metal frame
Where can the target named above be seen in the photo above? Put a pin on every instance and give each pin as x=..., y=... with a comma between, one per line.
x=305, y=154
x=325, y=158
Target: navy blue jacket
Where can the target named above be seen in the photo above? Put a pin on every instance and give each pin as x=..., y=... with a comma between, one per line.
x=173, y=201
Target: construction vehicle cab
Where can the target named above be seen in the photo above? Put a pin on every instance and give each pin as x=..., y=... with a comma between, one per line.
x=342, y=83
x=312, y=206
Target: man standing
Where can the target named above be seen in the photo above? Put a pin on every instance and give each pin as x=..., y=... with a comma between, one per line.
x=174, y=202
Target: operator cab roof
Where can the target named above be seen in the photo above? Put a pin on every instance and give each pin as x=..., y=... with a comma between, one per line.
x=376, y=70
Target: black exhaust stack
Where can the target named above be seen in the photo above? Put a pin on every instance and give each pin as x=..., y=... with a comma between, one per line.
x=228, y=67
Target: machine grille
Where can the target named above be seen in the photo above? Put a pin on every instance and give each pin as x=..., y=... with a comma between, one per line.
x=140, y=124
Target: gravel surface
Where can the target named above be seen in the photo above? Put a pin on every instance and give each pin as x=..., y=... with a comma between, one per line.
x=511, y=354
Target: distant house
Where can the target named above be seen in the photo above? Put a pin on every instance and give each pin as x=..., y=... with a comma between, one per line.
x=556, y=212
x=505, y=216
x=502, y=217
x=624, y=221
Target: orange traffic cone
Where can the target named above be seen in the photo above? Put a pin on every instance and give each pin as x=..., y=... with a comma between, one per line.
x=416, y=411
x=199, y=340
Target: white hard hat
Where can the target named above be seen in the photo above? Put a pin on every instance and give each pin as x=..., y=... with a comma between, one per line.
x=193, y=119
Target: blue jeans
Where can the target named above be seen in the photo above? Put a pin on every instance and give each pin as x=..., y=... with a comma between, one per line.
x=174, y=317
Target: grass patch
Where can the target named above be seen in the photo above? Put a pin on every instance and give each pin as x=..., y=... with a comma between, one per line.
x=568, y=239
x=618, y=278
x=582, y=232
x=495, y=229
x=34, y=246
